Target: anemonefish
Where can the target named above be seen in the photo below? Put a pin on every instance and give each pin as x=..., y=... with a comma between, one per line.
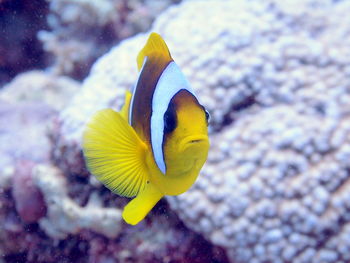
x=157, y=144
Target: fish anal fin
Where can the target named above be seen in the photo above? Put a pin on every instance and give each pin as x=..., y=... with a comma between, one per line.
x=137, y=209
x=115, y=154
x=124, y=112
x=155, y=45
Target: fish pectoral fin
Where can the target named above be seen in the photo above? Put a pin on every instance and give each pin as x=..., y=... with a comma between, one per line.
x=114, y=153
x=139, y=207
x=155, y=45
x=124, y=112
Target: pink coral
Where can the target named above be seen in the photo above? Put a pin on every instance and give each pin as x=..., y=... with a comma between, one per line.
x=29, y=200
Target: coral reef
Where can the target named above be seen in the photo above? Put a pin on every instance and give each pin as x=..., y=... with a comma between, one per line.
x=64, y=216
x=38, y=86
x=29, y=201
x=111, y=90
x=283, y=188
x=22, y=129
x=82, y=30
x=70, y=232
x=275, y=77
x=47, y=215
x=28, y=105
x=276, y=184
x=89, y=247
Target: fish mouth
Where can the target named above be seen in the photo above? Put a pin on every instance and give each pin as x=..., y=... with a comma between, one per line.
x=192, y=141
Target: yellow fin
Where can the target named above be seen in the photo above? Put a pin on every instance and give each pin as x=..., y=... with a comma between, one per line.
x=138, y=208
x=155, y=44
x=115, y=154
x=124, y=112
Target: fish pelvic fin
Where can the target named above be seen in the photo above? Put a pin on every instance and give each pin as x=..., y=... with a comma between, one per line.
x=124, y=112
x=155, y=46
x=115, y=154
x=137, y=209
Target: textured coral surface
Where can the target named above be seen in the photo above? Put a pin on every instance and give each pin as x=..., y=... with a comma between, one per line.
x=275, y=77
x=51, y=209
x=38, y=86
x=82, y=30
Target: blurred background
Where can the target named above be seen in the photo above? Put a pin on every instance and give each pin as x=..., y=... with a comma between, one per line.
x=275, y=76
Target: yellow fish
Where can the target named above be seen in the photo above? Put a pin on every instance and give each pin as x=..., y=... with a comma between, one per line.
x=157, y=144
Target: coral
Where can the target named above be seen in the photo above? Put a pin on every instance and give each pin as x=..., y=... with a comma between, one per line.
x=70, y=232
x=160, y=240
x=28, y=105
x=28, y=199
x=64, y=216
x=111, y=79
x=22, y=129
x=275, y=77
x=19, y=49
x=39, y=86
x=82, y=30
x=276, y=184
x=21, y=242
x=53, y=215
x=276, y=192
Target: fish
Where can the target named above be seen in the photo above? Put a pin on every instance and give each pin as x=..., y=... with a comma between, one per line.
x=157, y=143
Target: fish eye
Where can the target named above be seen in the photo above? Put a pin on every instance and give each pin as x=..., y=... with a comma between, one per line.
x=207, y=116
x=169, y=120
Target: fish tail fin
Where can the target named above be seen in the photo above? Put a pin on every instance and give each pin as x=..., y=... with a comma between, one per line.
x=124, y=112
x=138, y=208
x=155, y=44
x=115, y=154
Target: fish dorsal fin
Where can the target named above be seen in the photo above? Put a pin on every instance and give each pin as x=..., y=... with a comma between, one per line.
x=155, y=45
x=115, y=154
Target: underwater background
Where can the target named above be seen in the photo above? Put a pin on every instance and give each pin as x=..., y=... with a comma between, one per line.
x=275, y=76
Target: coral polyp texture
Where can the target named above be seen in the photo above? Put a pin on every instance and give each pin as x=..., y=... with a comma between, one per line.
x=64, y=216
x=82, y=30
x=278, y=191
x=275, y=77
x=39, y=86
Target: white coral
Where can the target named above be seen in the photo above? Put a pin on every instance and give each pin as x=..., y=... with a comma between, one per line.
x=82, y=30
x=275, y=77
x=40, y=86
x=64, y=216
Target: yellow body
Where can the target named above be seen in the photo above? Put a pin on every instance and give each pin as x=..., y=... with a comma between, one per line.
x=124, y=162
x=185, y=151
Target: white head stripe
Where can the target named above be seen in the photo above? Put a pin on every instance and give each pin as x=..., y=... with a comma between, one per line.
x=170, y=82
